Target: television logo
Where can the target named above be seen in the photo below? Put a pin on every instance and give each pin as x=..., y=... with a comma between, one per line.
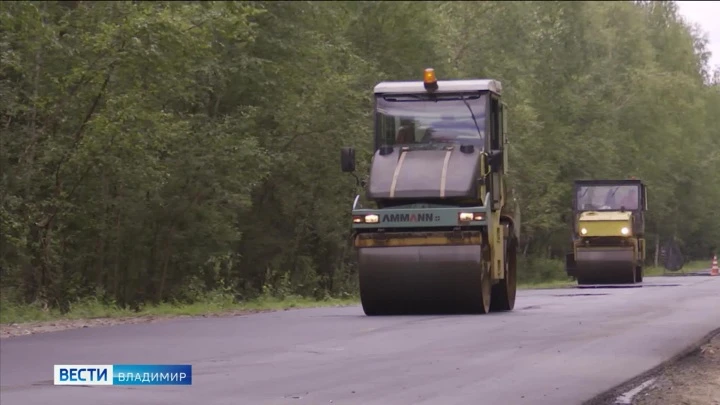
x=123, y=374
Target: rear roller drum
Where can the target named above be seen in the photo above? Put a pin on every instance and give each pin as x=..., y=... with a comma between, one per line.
x=424, y=280
x=373, y=307
x=606, y=265
x=611, y=277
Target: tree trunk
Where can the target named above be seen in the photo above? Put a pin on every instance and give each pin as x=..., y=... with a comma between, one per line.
x=118, y=249
x=166, y=261
x=657, y=249
x=100, y=248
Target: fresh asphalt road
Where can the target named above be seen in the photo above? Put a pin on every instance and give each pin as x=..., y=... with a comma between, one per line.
x=559, y=346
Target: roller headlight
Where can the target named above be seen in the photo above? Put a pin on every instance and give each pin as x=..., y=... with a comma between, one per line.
x=371, y=219
x=625, y=231
x=366, y=219
x=470, y=216
x=583, y=231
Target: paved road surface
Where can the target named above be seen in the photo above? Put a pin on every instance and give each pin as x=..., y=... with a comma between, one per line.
x=558, y=347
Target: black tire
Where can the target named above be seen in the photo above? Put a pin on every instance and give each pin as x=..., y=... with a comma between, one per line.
x=504, y=292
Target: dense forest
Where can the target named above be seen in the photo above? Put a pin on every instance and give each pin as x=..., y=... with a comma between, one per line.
x=155, y=151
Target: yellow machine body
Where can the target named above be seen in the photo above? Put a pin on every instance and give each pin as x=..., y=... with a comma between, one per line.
x=608, y=232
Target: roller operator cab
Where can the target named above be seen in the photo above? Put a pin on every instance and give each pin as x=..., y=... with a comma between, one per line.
x=608, y=244
x=439, y=237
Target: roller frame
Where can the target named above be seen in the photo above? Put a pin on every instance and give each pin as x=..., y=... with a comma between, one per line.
x=436, y=269
x=438, y=264
x=610, y=259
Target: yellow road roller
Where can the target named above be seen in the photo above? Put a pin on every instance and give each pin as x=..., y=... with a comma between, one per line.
x=439, y=236
x=608, y=244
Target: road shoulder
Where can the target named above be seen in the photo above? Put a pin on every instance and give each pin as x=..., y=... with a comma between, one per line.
x=692, y=377
x=694, y=380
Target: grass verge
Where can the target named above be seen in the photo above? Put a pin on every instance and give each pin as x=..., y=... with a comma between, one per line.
x=94, y=309
x=545, y=274
x=696, y=265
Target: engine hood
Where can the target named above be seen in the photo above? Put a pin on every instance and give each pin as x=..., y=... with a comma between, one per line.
x=605, y=216
x=419, y=173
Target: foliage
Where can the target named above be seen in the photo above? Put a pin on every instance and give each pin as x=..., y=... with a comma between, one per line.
x=155, y=152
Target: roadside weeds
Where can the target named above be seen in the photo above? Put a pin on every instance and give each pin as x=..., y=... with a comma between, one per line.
x=94, y=314
x=21, y=321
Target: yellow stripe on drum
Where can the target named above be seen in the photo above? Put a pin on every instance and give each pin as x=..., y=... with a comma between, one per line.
x=418, y=239
x=606, y=254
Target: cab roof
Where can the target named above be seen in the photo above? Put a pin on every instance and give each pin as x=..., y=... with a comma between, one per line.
x=444, y=86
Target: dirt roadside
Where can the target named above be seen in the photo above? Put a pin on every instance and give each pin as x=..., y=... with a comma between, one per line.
x=33, y=328
x=694, y=380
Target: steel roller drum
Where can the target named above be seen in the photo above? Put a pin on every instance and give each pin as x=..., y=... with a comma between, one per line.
x=605, y=265
x=421, y=279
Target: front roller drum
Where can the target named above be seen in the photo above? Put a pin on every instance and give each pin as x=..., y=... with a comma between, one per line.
x=423, y=279
x=603, y=265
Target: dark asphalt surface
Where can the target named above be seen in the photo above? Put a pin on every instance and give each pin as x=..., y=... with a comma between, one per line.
x=559, y=346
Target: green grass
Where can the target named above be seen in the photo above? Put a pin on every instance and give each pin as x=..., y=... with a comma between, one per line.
x=91, y=309
x=696, y=265
x=564, y=283
x=545, y=274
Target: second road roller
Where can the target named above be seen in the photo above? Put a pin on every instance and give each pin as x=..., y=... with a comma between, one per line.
x=608, y=244
x=440, y=236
